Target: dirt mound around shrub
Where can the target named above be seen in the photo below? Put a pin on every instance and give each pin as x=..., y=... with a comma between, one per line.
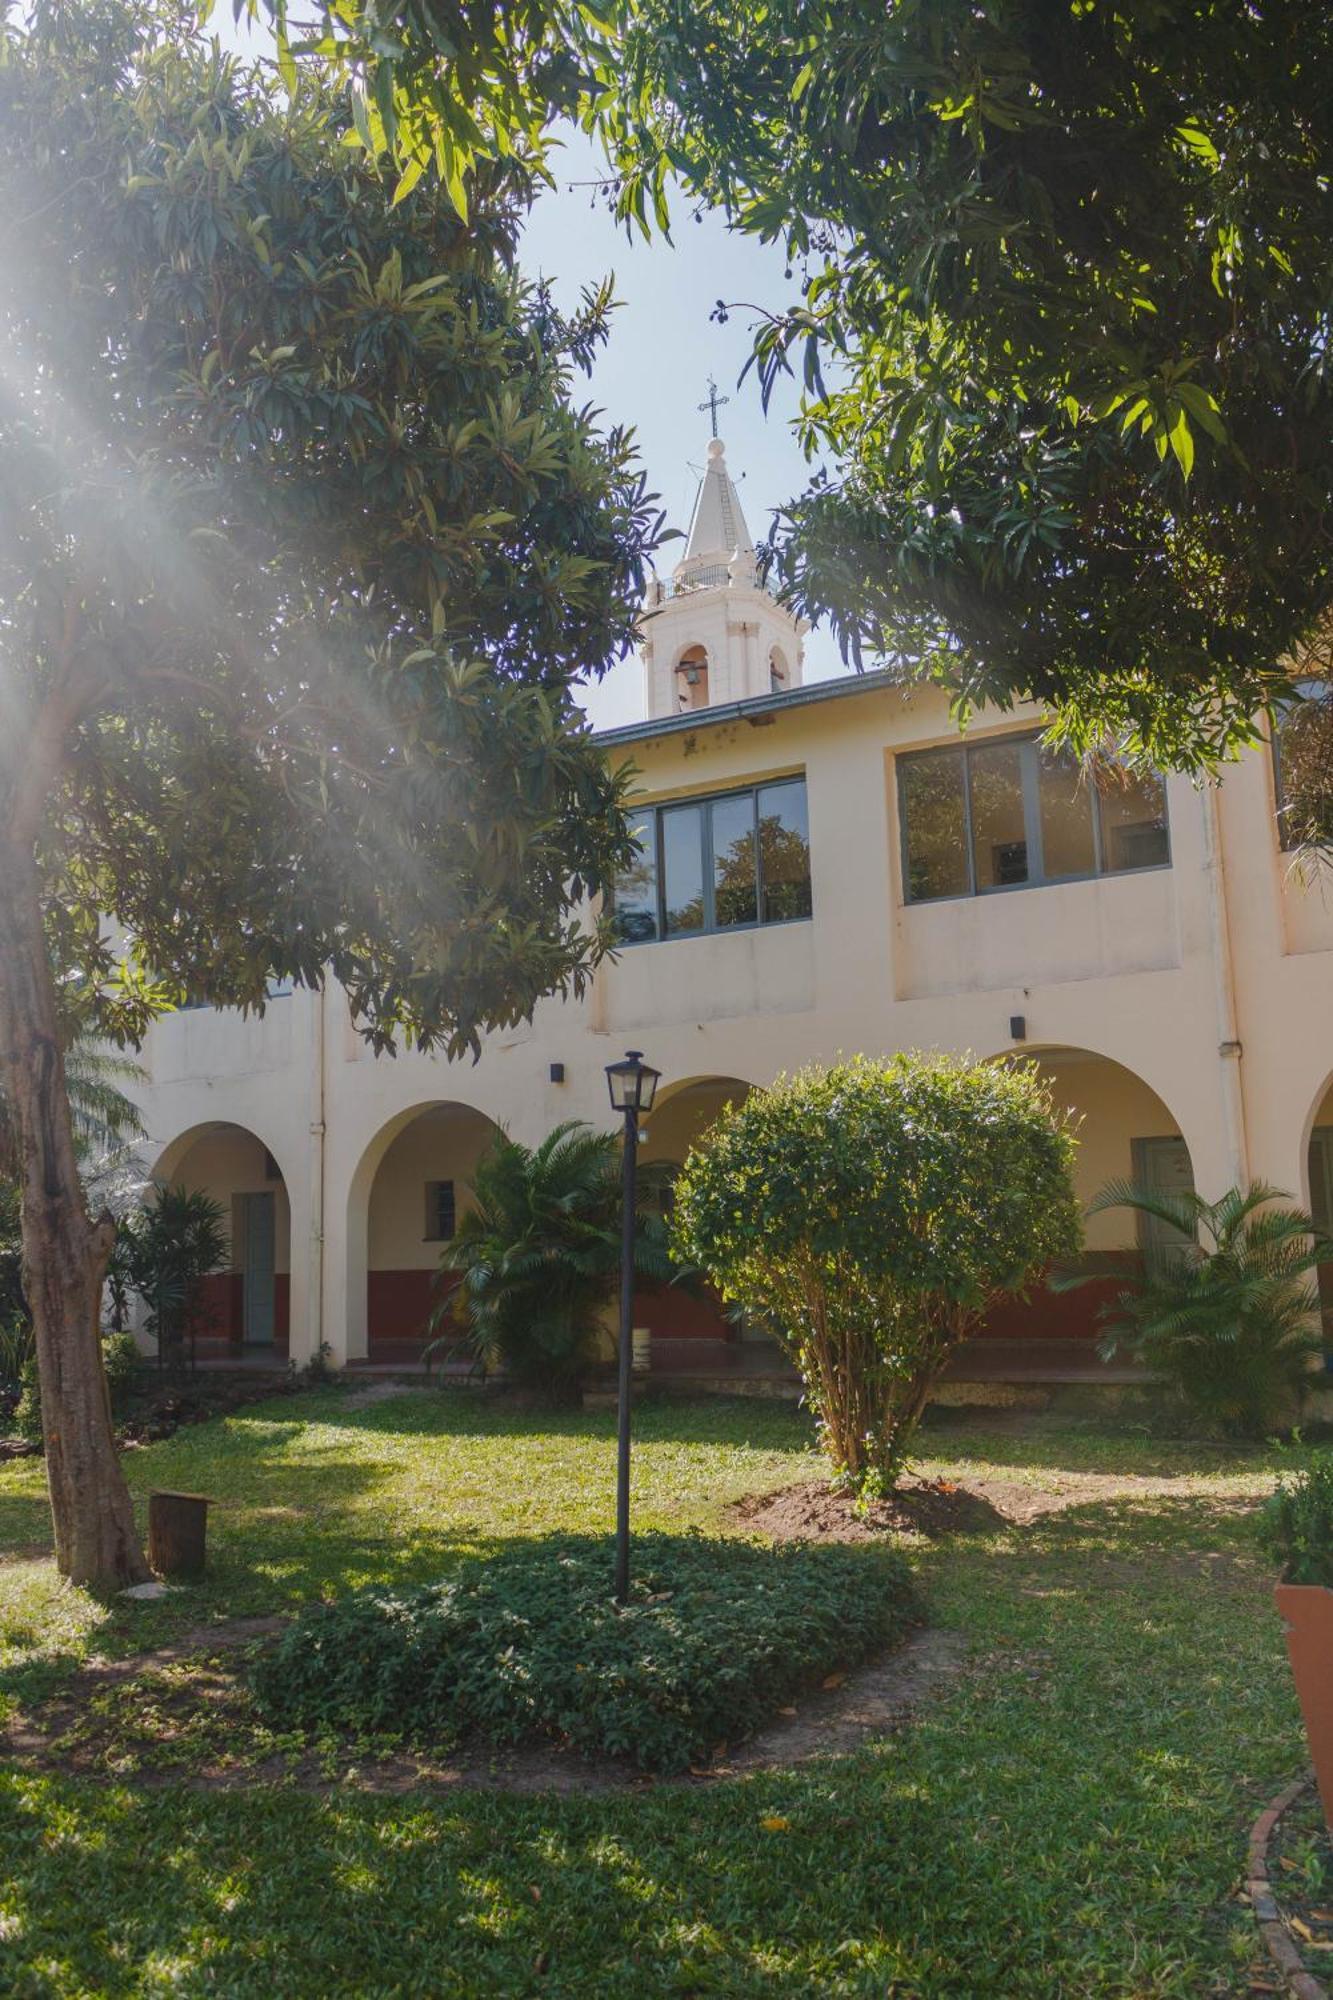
x=934, y=1508
x=813, y=1513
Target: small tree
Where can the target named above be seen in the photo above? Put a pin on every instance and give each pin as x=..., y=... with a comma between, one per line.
x=536, y=1259
x=163, y=1253
x=871, y=1213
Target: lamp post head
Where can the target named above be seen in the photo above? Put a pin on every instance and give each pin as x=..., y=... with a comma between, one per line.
x=632, y=1083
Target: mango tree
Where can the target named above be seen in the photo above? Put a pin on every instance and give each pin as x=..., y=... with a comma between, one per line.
x=304, y=549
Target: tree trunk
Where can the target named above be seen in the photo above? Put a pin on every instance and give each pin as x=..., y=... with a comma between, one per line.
x=64, y=1256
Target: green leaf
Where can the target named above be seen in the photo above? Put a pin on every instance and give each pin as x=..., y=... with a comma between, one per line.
x=1182, y=440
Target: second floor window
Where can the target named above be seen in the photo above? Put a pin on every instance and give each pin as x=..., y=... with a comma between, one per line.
x=1303, y=768
x=716, y=864
x=1010, y=813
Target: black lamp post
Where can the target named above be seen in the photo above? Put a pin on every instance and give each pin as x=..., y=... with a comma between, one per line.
x=632, y=1084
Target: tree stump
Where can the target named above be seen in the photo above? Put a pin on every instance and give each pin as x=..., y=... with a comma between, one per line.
x=177, y=1526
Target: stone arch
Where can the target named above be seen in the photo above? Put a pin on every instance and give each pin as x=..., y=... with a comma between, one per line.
x=684, y=1109
x=1126, y=1130
x=1315, y=1189
x=685, y=1325
x=691, y=677
x=257, y=1300
x=410, y=1184
x=1318, y=1117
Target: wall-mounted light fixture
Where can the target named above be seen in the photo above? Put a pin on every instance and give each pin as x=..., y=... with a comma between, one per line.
x=557, y=1072
x=1018, y=1027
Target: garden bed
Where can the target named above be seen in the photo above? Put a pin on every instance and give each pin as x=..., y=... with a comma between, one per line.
x=717, y=1636
x=182, y=1716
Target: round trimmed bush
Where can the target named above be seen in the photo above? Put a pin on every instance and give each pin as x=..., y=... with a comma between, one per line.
x=717, y=1635
x=871, y=1214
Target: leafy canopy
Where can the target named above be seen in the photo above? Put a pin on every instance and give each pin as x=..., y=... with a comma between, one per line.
x=870, y=1213
x=1063, y=276
x=304, y=549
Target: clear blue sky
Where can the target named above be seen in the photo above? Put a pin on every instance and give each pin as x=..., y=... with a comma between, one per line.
x=663, y=347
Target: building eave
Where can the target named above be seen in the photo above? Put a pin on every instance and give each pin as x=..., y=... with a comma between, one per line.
x=757, y=709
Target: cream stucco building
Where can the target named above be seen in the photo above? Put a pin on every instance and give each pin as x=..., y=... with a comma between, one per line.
x=826, y=868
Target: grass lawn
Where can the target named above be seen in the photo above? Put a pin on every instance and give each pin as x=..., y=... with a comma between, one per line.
x=1066, y=1818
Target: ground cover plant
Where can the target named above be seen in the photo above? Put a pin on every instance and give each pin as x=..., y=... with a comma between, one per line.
x=716, y=1636
x=1068, y=1816
x=870, y=1214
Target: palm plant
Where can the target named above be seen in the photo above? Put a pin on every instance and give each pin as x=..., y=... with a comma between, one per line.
x=105, y=1119
x=164, y=1251
x=1227, y=1308
x=535, y=1259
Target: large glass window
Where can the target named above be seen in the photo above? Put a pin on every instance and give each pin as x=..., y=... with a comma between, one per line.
x=999, y=821
x=681, y=844
x=636, y=890
x=1133, y=820
x=1068, y=840
x=1303, y=756
x=714, y=864
x=784, y=852
x=933, y=789
x=1010, y=813
x=735, y=881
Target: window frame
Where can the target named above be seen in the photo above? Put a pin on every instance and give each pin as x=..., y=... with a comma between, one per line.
x=1029, y=779
x=655, y=810
x=433, y=1233
x=1310, y=690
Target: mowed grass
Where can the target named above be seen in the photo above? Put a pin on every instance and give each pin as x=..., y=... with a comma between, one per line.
x=1064, y=1818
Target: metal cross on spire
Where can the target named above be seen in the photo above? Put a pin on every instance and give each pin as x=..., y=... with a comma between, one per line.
x=714, y=403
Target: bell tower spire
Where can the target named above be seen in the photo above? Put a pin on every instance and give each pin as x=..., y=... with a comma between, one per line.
x=713, y=633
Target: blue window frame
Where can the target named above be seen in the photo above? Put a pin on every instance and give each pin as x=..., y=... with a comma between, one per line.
x=1007, y=812
x=732, y=861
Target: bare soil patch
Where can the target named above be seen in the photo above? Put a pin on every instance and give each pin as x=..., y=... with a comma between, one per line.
x=934, y=1508
x=811, y=1512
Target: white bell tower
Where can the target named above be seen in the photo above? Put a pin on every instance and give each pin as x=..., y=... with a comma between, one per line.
x=713, y=634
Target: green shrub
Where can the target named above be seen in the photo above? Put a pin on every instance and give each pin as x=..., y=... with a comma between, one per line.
x=164, y=1252
x=28, y=1410
x=1296, y=1525
x=17, y=1346
x=1227, y=1313
x=535, y=1259
x=717, y=1635
x=120, y=1358
x=870, y=1214
x=123, y=1364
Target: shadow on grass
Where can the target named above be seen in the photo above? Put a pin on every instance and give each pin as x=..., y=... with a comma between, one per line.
x=1055, y=1441
x=438, y=1410
x=1066, y=1819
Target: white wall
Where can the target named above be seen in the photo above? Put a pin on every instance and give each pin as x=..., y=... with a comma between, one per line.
x=1126, y=969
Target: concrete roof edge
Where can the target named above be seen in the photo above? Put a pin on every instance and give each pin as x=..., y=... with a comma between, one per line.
x=746, y=711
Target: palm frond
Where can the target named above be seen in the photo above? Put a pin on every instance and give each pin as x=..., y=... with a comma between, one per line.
x=1232, y=1320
